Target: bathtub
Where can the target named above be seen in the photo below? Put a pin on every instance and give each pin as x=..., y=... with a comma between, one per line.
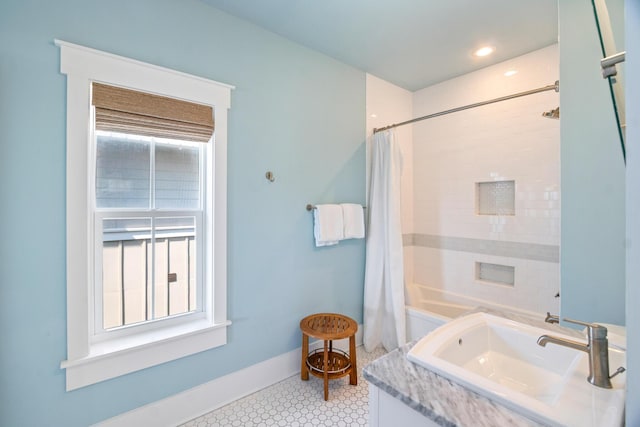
x=430, y=310
x=427, y=308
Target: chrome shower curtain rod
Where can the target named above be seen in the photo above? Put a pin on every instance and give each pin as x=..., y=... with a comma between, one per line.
x=555, y=86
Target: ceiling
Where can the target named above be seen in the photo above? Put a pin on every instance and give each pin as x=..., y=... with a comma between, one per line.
x=411, y=43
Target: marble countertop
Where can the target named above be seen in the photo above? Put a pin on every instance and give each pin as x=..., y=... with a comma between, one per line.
x=440, y=399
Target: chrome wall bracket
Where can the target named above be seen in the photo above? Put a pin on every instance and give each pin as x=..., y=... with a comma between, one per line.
x=608, y=64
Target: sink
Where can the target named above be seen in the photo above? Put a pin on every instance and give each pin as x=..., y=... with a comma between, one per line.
x=500, y=359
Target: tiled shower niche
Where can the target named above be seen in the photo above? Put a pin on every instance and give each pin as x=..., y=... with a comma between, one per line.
x=495, y=274
x=496, y=198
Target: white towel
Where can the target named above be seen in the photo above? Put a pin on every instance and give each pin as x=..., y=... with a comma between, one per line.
x=328, y=226
x=353, y=218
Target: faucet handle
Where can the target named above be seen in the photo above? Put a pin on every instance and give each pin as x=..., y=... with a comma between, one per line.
x=552, y=318
x=595, y=330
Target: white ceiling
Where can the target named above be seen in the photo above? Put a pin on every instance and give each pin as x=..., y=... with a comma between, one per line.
x=411, y=43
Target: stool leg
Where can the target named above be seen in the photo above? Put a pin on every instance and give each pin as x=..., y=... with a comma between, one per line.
x=304, y=371
x=353, y=375
x=326, y=371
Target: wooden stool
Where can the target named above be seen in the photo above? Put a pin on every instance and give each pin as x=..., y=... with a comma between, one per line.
x=329, y=363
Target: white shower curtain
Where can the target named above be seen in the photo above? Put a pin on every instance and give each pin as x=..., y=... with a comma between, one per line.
x=384, y=318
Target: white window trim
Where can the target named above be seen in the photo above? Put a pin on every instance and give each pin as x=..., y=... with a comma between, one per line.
x=89, y=362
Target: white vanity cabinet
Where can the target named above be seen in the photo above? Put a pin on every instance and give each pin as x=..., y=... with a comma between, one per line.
x=388, y=411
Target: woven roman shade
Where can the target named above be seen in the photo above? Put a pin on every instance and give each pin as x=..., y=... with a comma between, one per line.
x=140, y=113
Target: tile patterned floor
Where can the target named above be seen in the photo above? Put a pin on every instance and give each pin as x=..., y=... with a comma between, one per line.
x=297, y=403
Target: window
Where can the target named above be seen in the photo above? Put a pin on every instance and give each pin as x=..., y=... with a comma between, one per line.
x=146, y=214
x=148, y=203
x=148, y=210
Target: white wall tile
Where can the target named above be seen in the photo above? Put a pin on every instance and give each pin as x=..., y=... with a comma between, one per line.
x=504, y=141
x=444, y=157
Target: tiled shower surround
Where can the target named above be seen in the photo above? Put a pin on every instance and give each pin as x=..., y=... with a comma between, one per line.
x=444, y=235
x=506, y=141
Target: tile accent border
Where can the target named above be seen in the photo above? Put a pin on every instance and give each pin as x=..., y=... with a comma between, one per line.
x=529, y=251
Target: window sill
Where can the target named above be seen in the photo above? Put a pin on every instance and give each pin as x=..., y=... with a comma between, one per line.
x=118, y=357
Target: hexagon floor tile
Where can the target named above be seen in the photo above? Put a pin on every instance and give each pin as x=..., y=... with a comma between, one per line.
x=296, y=403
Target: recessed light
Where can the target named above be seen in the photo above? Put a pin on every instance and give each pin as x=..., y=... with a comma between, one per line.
x=510, y=73
x=484, y=51
x=373, y=115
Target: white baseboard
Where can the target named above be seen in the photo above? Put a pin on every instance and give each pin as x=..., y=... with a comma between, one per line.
x=199, y=400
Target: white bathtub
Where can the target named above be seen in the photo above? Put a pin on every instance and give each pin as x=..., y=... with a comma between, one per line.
x=427, y=308
x=430, y=309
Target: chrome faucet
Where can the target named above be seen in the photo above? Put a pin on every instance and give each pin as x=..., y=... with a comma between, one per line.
x=597, y=347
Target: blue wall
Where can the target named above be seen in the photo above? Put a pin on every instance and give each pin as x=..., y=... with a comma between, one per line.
x=294, y=112
x=592, y=251
x=632, y=67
